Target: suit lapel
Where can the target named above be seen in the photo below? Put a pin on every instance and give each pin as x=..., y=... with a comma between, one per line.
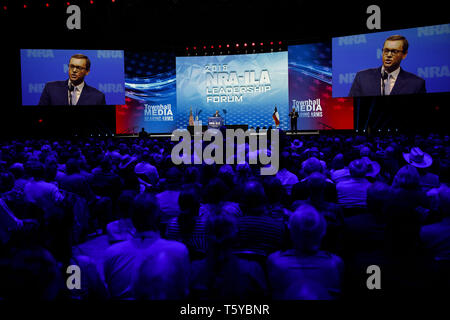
x=83, y=95
x=377, y=82
x=399, y=83
x=65, y=85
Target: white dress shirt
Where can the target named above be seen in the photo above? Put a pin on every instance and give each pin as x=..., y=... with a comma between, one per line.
x=390, y=81
x=76, y=93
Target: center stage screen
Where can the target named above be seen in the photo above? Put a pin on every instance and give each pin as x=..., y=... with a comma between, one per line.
x=310, y=90
x=245, y=89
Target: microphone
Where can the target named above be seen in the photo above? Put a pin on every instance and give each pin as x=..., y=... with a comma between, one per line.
x=384, y=76
x=71, y=88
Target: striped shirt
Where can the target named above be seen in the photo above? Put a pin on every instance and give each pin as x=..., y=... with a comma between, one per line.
x=259, y=234
x=194, y=240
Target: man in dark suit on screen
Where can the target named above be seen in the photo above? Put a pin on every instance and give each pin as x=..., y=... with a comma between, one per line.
x=73, y=91
x=389, y=79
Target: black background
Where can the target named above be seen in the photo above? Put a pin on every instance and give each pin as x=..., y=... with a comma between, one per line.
x=173, y=25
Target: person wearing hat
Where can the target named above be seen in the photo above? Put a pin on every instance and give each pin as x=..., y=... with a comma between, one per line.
x=296, y=144
x=127, y=173
x=352, y=192
x=422, y=161
x=373, y=167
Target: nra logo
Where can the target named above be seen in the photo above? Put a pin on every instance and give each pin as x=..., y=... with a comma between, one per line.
x=108, y=54
x=36, y=87
x=346, y=77
x=433, y=30
x=111, y=87
x=40, y=54
x=433, y=72
x=351, y=40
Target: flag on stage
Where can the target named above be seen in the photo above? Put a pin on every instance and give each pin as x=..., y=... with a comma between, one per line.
x=191, y=118
x=276, y=117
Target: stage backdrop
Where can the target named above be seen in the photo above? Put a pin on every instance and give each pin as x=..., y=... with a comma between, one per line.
x=310, y=89
x=150, y=93
x=428, y=56
x=244, y=88
x=41, y=66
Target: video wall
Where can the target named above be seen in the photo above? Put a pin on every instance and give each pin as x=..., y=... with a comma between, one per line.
x=164, y=92
x=150, y=89
x=161, y=92
x=45, y=76
x=310, y=89
x=245, y=89
x=358, y=59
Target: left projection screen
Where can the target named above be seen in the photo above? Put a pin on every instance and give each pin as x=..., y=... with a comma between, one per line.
x=45, y=77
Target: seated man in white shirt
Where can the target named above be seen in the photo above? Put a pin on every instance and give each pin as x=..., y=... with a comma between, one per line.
x=352, y=192
x=124, y=259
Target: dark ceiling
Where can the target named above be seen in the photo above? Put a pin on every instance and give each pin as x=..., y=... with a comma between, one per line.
x=137, y=23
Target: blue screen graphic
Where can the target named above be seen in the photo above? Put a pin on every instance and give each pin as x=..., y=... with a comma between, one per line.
x=41, y=66
x=245, y=89
x=428, y=56
x=150, y=87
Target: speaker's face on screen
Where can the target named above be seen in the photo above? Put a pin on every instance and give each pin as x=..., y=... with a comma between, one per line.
x=77, y=70
x=393, y=54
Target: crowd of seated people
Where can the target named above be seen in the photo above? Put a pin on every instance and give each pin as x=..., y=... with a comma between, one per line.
x=140, y=227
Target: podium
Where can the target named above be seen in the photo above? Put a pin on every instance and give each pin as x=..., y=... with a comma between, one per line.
x=215, y=122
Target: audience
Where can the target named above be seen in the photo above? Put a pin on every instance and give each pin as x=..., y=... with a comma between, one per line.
x=189, y=228
x=352, y=192
x=123, y=259
x=209, y=232
x=222, y=275
x=259, y=233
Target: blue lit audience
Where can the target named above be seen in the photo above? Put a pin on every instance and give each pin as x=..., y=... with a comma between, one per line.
x=140, y=227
